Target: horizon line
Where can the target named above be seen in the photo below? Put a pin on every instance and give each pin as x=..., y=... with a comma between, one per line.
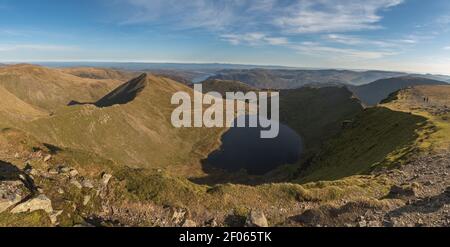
x=211, y=63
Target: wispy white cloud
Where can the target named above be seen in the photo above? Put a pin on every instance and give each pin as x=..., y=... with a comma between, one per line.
x=214, y=15
x=353, y=40
x=447, y=48
x=445, y=19
x=254, y=39
x=278, y=22
x=318, y=49
x=300, y=16
x=309, y=16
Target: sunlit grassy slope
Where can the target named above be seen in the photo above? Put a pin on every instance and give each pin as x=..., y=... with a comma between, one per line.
x=431, y=102
x=51, y=89
x=138, y=133
x=13, y=109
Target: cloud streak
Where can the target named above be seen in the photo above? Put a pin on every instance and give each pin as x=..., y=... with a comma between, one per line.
x=294, y=16
x=321, y=16
x=254, y=39
x=272, y=22
x=317, y=49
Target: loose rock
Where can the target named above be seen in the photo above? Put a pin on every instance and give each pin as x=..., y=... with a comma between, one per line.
x=75, y=183
x=189, y=223
x=105, y=178
x=47, y=158
x=10, y=194
x=86, y=200
x=256, y=219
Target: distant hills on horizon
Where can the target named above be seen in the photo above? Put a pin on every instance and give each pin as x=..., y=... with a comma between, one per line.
x=140, y=66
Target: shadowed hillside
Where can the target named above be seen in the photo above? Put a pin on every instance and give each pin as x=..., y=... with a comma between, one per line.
x=375, y=92
x=223, y=87
x=317, y=113
x=125, y=93
x=376, y=137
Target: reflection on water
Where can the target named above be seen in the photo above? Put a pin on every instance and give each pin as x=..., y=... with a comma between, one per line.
x=243, y=148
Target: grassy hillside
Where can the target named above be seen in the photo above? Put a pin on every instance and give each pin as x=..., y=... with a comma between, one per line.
x=13, y=109
x=436, y=109
x=373, y=93
x=100, y=73
x=51, y=89
x=138, y=133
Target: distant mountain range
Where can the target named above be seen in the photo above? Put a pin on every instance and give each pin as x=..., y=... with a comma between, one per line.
x=159, y=66
x=289, y=79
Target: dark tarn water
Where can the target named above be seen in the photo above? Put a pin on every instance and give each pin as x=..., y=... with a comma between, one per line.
x=243, y=148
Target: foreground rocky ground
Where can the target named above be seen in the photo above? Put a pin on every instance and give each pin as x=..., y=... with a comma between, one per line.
x=419, y=196
x=60, y=196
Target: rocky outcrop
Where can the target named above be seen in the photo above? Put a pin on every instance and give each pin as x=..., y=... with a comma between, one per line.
x=256, y=219
x=40, y=202
x=11, y=193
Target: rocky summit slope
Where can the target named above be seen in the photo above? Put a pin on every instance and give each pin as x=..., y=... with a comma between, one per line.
x=124, y=165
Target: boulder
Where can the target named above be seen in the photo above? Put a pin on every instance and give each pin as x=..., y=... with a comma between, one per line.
x=40, y=202
x=86, y=183
x=11, y=193
x=54, y=216
x=179, y=216
x=256, y=219
x=47, y=158
x=189, y=223
x=53, y=171
x=86, y=200
x=64, y=169
x=73, y=173
x=75, y=183
x=105, y=178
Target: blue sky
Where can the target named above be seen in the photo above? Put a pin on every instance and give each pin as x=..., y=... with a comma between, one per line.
x=407, y=35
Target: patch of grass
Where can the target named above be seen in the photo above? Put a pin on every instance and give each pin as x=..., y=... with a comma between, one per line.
x=34, y=219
